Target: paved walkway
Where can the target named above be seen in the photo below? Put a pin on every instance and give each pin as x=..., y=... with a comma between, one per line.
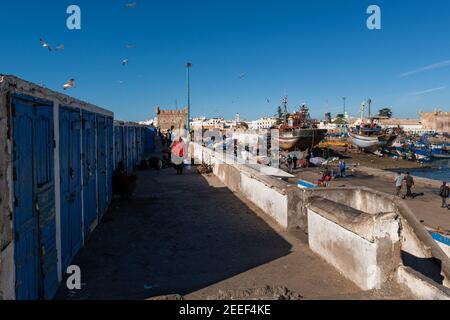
x=190, y=235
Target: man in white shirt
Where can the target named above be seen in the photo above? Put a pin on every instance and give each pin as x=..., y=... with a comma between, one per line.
x=399, y=182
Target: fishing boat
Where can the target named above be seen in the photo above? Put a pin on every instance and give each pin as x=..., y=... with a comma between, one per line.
x=440, y=151
x=298, y=131
x=371, y=137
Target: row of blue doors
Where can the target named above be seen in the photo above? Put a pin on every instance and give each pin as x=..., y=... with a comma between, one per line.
x=86, y=152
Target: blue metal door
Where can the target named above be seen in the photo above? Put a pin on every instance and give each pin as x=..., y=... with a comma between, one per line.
x=89, y=171
x=70, y=163
x=34, y=205
x=102, y=166
x=128, y=148
x=25, y=217
x=118, y=146
x=43, y=159
x=110, y=139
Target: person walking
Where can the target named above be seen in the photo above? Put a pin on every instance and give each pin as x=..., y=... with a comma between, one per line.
x=444, y=192
x=342, y=168
x=409, y=185
x=178, y=151
x=399, y=183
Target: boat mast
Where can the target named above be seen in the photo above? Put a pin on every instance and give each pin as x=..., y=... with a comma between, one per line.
x=285, y=101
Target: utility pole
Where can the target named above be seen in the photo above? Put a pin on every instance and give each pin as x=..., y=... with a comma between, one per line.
x=345, y=107
x=369, y=102
x=188, y=67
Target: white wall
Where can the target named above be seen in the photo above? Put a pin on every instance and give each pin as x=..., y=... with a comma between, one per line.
x=352, y=255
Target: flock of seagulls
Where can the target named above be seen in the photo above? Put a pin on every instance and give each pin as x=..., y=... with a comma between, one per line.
x=71, y=83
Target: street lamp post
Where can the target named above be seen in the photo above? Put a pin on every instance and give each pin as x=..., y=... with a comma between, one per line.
x=344, y=98
x=188, y=67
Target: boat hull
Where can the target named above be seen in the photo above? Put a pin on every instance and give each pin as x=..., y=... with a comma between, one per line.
x=371, y=144
x=301, y=139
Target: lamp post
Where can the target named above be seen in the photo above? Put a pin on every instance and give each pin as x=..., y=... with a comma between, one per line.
x=188, y=68
x=344, y=98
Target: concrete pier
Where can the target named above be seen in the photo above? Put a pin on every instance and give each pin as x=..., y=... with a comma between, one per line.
x=192, y=236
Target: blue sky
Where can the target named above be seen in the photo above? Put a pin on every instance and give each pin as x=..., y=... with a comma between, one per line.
x=315, y=51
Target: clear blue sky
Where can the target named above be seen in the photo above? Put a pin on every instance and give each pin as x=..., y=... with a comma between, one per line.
x=314, y=50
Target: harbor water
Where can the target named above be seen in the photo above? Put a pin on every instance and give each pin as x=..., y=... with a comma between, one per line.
x=440, y=170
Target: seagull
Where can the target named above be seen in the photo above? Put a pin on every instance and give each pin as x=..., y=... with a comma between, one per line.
x=242, y=76
x=131, y=5
x=120, y=82
x=130, y=46
x=125, y=62
x=49, y=47
x=70, y=84
x=268, y=100
x=45, y=44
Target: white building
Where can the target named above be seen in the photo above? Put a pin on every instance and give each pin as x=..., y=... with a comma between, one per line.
x=411, y=126
x=263, y=123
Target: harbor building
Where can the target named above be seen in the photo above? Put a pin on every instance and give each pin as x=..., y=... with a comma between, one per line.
x=438, y=121
x=171, y=118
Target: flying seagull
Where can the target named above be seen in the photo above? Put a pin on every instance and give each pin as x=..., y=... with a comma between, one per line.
x=130, y=46
x=70, y=84
x=242, y=76
x=46, y=45
x=131, y=5
x=125, y=62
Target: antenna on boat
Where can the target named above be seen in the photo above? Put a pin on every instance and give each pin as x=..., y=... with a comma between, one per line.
x=362, y=110
x=285, y=102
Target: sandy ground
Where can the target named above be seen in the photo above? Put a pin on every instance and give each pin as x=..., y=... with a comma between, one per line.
x=353, y=157
x=189, y=235
x=427, y=208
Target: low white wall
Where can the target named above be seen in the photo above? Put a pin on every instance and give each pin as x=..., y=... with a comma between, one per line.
x=421, y=287
x=249, y=182
x=270, y=201
x=352, y=255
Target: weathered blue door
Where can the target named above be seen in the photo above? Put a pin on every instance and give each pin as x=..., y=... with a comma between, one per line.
x=89, y=171
x=70, y=165
x=34, y=205
x=102, y=164
x=110, y=139
x=118, y=146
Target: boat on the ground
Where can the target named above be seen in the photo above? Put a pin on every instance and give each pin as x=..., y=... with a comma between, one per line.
x=299, y=131
x=371, y=137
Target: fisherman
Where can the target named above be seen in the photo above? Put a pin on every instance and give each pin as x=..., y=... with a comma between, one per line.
x=409, y=185
x=444, y=192
x=342, y=168
x=399, y=183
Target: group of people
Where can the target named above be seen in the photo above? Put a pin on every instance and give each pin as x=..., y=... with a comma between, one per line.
x=408, y=180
